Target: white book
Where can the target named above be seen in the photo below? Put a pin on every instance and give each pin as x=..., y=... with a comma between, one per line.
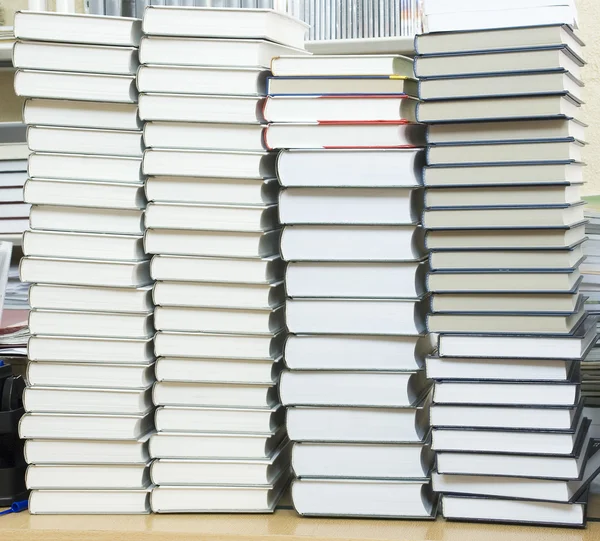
x=361, y=461
x=355, y=280
x=212, y=190
x=217, y=295
x=366, y=389
x=363, y=498
x=81, y=193
x=90, y=324
x=92, y=350
x=47, y=26
x=72, y=400
x=355, y=206
x=241, y=244
x=202, y=80
x=56, y=244
x=90, y=502
x=357, y=168
x=219, y=320
x=13, y=226
x=121, y=376
x=13, y=151
x=86, y=451
x=354, y=425
x=211, y=217
x=60, y=85
x=194, y=135
x=346, y=65
x=252, y=270
x=14, y=210
x=343, y=316
x=78, y=114
x=51, y=426
x=440, y=6
x=215, y=346
x=348, y=352
x=11, y=195
x=87, y=220
x=209, y=163
x=169, y=393
x=211, y=52
x=85, y=272
x=198, y=108
x=214, y=445
x=73, y=477
x=80, y=167
x=355, y=243
x=85, y=141
x=11, y=179
x=74, y=57
x=228, y=23
x=228, y=420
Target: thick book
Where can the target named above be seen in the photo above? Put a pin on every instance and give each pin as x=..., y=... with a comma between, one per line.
x=359, y=316
x=356, y=168
x=266, y=24
x=217, y=419
x=79, y=114
x=212, y=52
x=352, y=243
x=335, y=65
x=77, y=426
x=358, y=425
x=361, y=461
x=257, y=270
x=352, y=206
x=90, y=502
x=397, y=85
x=360, y=389
x=364, y=498
x=352, y=352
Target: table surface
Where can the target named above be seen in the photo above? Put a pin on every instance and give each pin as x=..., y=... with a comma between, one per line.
x=284, y=525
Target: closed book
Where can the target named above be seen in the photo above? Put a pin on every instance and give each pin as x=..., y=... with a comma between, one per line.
x=90, y=502
x=356, y=85
x=335, y=65
x=12, y=179
x=505, y=302
x=14, y=210
x=358, y=425
x=12, y=195
x=13, y=225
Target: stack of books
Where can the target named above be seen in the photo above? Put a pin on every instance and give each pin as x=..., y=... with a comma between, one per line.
x=505, y=227
x=355, y=387
x=13, y=173
x=90, y=374
x=212, y=225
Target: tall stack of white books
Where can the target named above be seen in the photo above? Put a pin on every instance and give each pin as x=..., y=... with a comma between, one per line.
x=212, y=225
x=90, y=375
x=505, y=227
x=351, y=206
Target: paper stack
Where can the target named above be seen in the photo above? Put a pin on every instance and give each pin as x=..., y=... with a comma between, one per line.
x=212, y=223
x=90, y=374
x=351, y=206
x=505, y=227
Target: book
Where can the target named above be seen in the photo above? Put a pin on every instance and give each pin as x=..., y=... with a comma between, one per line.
x=362, y=316
x=89, y=502
x=439, y=6
x=352, y=243
x=321, y=109
x=74, y=400
x=342, y=86
x=201, y=80
x=341, y=206
x=77, y=426
x=358, y=425
x=10, y=179
x=13, y=151
x=212, y=52
x=354, y=45
x=265, y=24
x=14, y=210
x=343, y=66
x=79, y=476
x=361, y=461
x=81, y=193
x=257, y=270
x=366, y=389
x=94, y=29
x=169, y=393
x=55, y=244
x=78, y=114
x=360, y=168
x=355, y=280
x=214, y=419
x=39, y=55
x=351, y=352
x=364, y=498
x=11, y=195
